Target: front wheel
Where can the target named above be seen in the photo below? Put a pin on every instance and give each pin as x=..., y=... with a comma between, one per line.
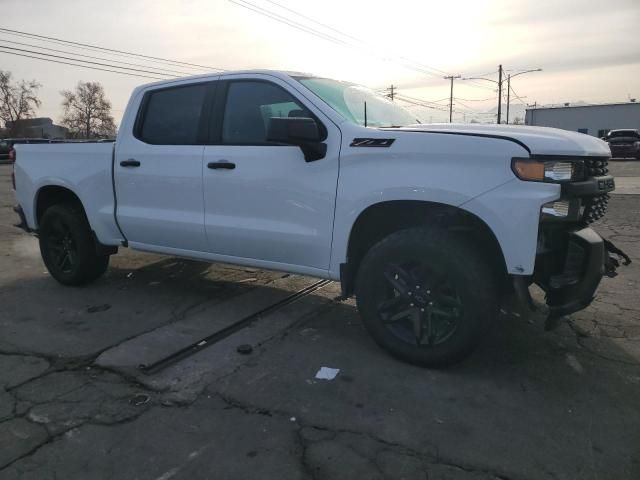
x=67, y=246
x=426, y=296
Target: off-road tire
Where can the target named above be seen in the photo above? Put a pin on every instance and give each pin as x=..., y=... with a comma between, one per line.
x=83, y=265
x=444, y=253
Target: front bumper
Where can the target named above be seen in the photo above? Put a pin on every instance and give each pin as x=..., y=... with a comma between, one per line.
x=573, y=287
x=570, y=266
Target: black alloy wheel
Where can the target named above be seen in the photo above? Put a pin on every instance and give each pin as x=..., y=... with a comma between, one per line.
x=61, y=246
x=426, y=295
x=420, y=306
x=68, y=247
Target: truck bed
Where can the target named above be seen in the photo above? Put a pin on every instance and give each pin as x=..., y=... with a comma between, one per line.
x=84, y=168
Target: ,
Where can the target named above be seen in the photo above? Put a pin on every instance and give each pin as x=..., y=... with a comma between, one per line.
x=428, y=225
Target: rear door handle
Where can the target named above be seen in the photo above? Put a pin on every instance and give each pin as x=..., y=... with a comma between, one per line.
x=222, y=164
x=130, y=163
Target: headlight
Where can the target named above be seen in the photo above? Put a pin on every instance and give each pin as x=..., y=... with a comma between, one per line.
x=559, y=208
x=567, y=209
x=537, y=171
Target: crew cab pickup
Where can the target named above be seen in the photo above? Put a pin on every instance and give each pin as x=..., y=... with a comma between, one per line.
x=428, y=225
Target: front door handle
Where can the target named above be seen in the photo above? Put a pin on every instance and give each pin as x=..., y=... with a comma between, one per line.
x=222, y=164
x=130, y=163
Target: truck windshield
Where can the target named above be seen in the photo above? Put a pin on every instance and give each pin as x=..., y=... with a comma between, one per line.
x=624, y=133
x=349, y=100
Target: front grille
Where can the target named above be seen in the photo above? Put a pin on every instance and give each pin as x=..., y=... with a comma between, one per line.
x=596, y=167
x=595, y=208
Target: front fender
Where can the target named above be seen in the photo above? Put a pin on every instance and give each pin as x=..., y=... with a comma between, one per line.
x=444, y=169
x=512, y=212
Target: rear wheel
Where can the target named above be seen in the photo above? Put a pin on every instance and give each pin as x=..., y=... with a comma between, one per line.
x=67, y=246
x=426, y=296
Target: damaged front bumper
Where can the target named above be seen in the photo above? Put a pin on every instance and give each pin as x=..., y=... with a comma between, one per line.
x=572, y=258
x=573, y=287
x=569, y=267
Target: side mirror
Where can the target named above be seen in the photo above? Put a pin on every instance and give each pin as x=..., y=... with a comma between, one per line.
x=300, y=131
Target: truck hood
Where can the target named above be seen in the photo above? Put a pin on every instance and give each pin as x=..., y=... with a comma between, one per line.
x=538, y=140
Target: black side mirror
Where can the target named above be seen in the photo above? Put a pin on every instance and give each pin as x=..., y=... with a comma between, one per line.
x=300, y=131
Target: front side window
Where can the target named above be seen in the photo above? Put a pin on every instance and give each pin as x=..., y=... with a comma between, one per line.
x=172, y=116
x=351, y=101
x=249, y=108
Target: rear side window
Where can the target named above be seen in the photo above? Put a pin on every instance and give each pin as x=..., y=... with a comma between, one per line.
x=171, y=116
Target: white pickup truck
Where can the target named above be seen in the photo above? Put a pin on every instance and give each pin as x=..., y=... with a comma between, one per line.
x=428, y=225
